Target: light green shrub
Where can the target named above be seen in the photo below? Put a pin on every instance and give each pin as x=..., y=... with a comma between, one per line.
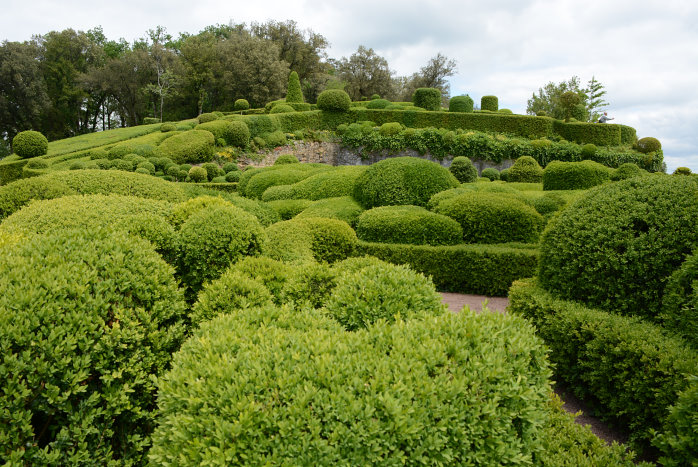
x=197, y=174
x=427, y=98
x=193, y=146
x=207, y=117
x=525, y=169
x=574, y=175
x=334, y=100
x=627, y=170
x=289, y=208
x=460, y=104
x=343, y=208
x=241, y=104
x=408, y=224
x=270, y=272
x=29, y=143
x=490, y=173
x=286, y=159
x=648, y=144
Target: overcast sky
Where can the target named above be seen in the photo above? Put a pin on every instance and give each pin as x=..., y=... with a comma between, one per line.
x=644, y=52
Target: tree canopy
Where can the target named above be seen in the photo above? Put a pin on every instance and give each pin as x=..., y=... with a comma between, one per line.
x=558, y=100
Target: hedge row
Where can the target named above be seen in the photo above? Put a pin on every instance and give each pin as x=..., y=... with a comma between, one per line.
x=476, y=269
x=631, y=371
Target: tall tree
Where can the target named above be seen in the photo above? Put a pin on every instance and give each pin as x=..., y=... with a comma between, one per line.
x=165, y=63
x=595, y=103
x=548, y=98
x=200, y=60
x=432, y=75
x=365, y=73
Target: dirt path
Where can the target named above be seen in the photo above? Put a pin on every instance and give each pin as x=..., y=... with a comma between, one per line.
x=456, y=302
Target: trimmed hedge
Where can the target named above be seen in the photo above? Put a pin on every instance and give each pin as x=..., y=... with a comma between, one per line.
x=680, y=301
x=193, y=146
x=312, y=238
x=615, y=247
x=625, y=171
x=207, y=117
x=408, y=224
x=492, y=218
x=343, y=208
x=679, y=438
x=293, y=91
x=309, y=285
x=648, y=144
x=574, y=175
x=629, y=370
x=330, y=183
x=473, y=269
x=427, y=98
x=460, y=104
x=281, y=108
x=241, y=104
x=491, y=174
x=285, y=174
x=11, y=170
x=490, y=103
x=382, y=292
x=463, y=169
x=28, y=144
x=265, y=214
x=395, y=393
x=525, y=169
x=401, y=180
x=87, y=319
x=290, y=208
x=583, y=133
x=234, y=133
x=333, y=100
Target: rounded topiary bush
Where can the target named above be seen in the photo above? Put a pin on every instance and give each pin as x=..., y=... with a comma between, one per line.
x=627, y=170
x=408, y=224
x=281, y=108
x=331, y=183
x=648, y=144
x=289, y=208
x=343, y=208
x=463, y=169
x=492, y=218
x=167, y=127
x=230, y=167
x=239, y=134
x=213, y=170
x=332, y=239
x=680, y=301
x=37, y=164
x=615, y=247
x=378, y=104
x=682, y=171
x=460, y=104
x=390, y=129
x=198, y=174
x=286, y=159
x=87, y=319
x=271, y=273
x=334, y=100
x=490, y=103
x=588, y=150
x=391, y=394
x=241, y=104
x=309, y=285
x=504, y=175
x=560, y=175
x=401, y=180
x=207, y=117
x=193, y=146
x=490, y=173
x=386, y=292
x=427, y=98
x=549, y=203
x=525, y=169
x=28, y=144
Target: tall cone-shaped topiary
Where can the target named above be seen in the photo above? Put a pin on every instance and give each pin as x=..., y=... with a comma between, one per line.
x=294, y=93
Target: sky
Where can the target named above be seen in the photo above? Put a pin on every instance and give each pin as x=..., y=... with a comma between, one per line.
x=645, y=53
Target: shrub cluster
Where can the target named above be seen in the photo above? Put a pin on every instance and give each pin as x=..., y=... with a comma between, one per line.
x=408, y=224
x=463, y=169
x=193, y=146
x=28, y=144
x=427, y=98
x=574, y=175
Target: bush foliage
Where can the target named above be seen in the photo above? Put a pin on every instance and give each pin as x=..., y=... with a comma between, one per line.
x=525, y=169
x=334, y=100
x=463, y=169
x=574, y=175
x=460, y=104
x=193, y=146
x=427, y=98
x=408, y=224
x=29, y=143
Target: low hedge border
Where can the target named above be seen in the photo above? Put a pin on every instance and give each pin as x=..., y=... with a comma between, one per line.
x=227, y=187
x=476, y=269
x=630, y=371
x=11, y=171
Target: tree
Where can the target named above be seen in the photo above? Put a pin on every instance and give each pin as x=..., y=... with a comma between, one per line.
x=200, y=60
x=549, y=99
x=365, y=73
x=432, y=75
x=595, y=103
x=164, y=62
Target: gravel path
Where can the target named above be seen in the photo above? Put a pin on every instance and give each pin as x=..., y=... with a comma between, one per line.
x=456, y=302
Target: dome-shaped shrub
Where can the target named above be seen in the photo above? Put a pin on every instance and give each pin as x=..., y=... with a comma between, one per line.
x=281, y=108
x=682, y=171
x=270, y=272
x=680, y=301
x=334, y=100
x=627, y=170
x=293, y=92
x=401, y=180
x=588, y=150
x=289, y=208
x=28, y=144
x=207, y=117
x=191, y=146
x=525, y=169
x=463, y=169
x=213, y=238
x=309, y=284
x=427, y=98
x=492, y=218
x=284, y=174
x=615, y=247
x=213, y=170
x=390, y=129
x=230, y=167
x=549, y=203
x=120, y=164
x=505, y=111
x=87, y=319
x=490, y=173
x=490, y=103
x=198, y=174
x=560, y=175
x=408, y=224
x=387, y=292
x=167, y=127
x=378, y=104
x=648, y=144
x=312, y=238
x=331, y=183
x=343, y=208
x=239, y=134
x=221, y=129
x=37, y=164
x=149, y=168
x=286, y=159
x=241, y=104
x=460, y=104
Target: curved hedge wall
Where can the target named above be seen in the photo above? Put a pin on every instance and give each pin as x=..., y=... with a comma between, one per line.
x=336, y=392
x=332, y=182
x=574, y=175
x=87, y=318
x=192, y=147
x=492, y=218
x=401, y=180
x=615, y=247
x=408, y=224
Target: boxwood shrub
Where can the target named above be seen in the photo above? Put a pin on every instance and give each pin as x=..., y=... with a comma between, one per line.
x=680, y=301
x=207, y=117
x=615, y=247
x=286, y=159
x=29, y=143
x=408, y=224
x=463, y=169
x=525, y=169
x=289, y=208
x=235, y=133
x=427, y=98
x=241, y=104
x=401, y=180
x=490, y=103
x=648, y=144
x=87, y=319
x=574, y=175
x=333, y=100
x=285, y=174
x=492, y=218
x=627, y=170
x=329, y=183
x=270, y=272
x=312, y=238
x=678, y=439
x=343, y=208
x=281, y=108
x=460, y=104
x=193, y=146
x=378, y=104
x=309, y=285
x=490, y=173
x=394, y=393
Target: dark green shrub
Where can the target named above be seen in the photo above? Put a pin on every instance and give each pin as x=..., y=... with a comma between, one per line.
x=211, y=239
x=504, y=175
x=427, y=98
x=460, y=104
x=197, y=174
x=525, y=169
x=144, y=171
x=330, y=183
x=678, y=440
x=490, y=173
x=281, y=108
x=679, y=302
x=629, y=370
x=375, y=96
x=285, y=174
x=401, y=180
x=286, y=159
x=335, y=394
x=193, y=146
x=207, y=117
x=334, y=100
x=37, y=164
x=463, y=169
x=293, y=92
x=615, y=247
x=574, y=175
x=28, y=144
x=382, y=292
x=241, y=104
x=232, y=177
x=166, y=127
x=682, y=171
x=549, y=203
x=213, y=170
x=588, y=151
x=80, y=355
x=134, y=158
x=309, y=285
x=579, y=112
x=648, y=144
x=230, y=167
x=627, y=170
x=289, y=208
x=332, y=239
x=390, y=129
x=343, y=208
x=239, y=134
x=408, y=224
x=378, y=104
x=490, y=103
x=492, y=218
